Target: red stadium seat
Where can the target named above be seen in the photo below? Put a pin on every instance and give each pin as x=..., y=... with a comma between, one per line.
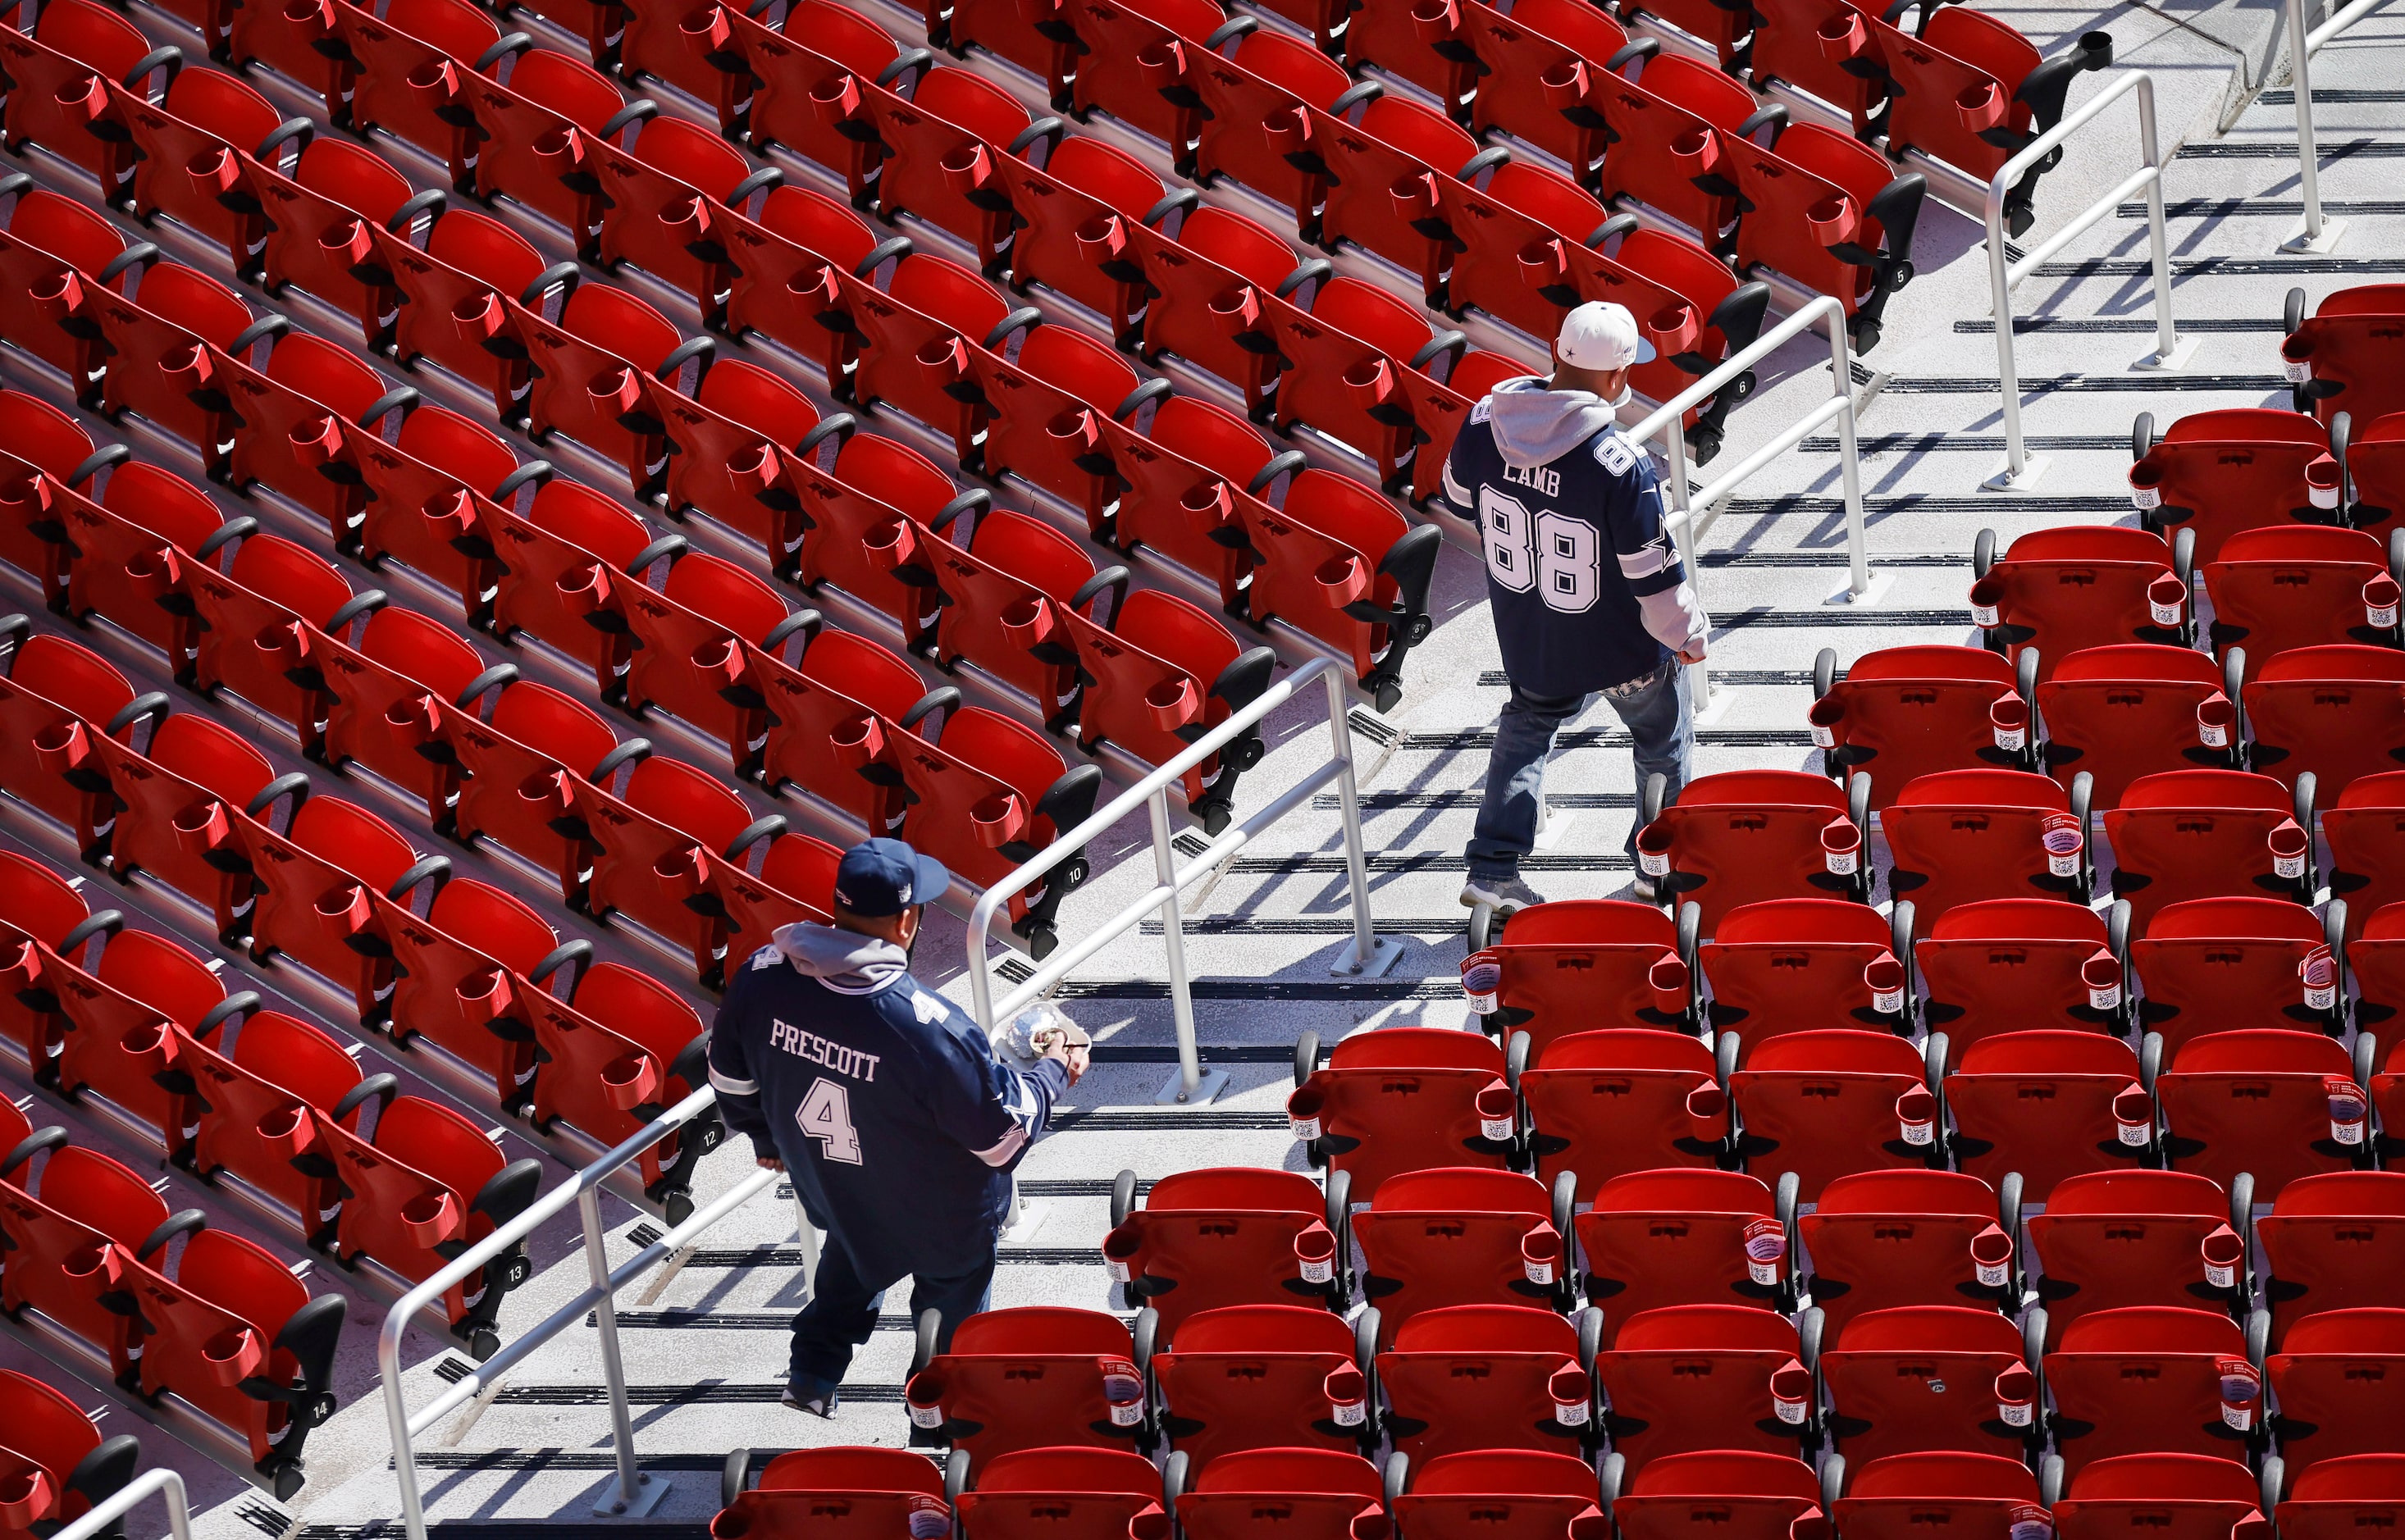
x=1524, y=43
x=1459, y=1236
x=1606, y=1103
x=2337, y=1378
x=56, y=256
x=682, y=45
x=2279, y=1104
x=2274, y=590
x=122, y=1019
x=2340, y=359
x=2209, y=833
x=2130, y=709
x=2221, y=472
x=1490, y=1376
x=1263, y=1376
x=1676, y=131
x=731, y=447
x=1515, y=1492
x=1229, y=1237
x=313, y=881
x=320, y=220
x=1184, y=482
x=1259, y=74
x=873, y=523
x=1959, y=836
x=2153, y=1380
x=1382, y=144
x=1904, y=712
x=1683, y=1237
x=458, y=969
x=56, y=1464
x=160, y=344
x=589, y=372
x=74, y=1238
x=388, y=696
x=822, y=58
x=1930, y=1378
x=394, y=56
x=540, y=118
x=617, y=1050
x=1742, y=1493
x=651, y=844
x=67, y=68
x=2177, y=1496
x=664, y=200
x=1161, y=36
x=1561, y=966
x=302, y=426
x=941, y=150
x=2015, y=965
x=1708, y=1376
x=1739, y=837
x=829, y=717
x=45, y=442
x=1345, y=357
x=846, y=1490
x=689, y=640
x=992, y=793
x=1848, y=70
x=429, y=493
x=793, y=884
x=2367, y=861
x=1826, y=1104
x=131, y=550
x=2063, y=591
x=1076, y=212
x=1827, y=211
x=1789, y=965
x=517, y=770
x=44, y=923
x=1071, y=1493
x=2108, y=1239
x=187, y=154
x=1301, y=1494
x=1980, y=1495
x=1027, y=1378
x=178, y=800
x=1881, y=1239
x=1207, y=291
x=1337, y=562
x=55, y=699
x=2049, y=1104
x=2331, y=711
x=453, y=296
x=2388, y=1096
x=785, y=262
x=1043, y=399
x=914, y=334
x=2373, y=470
x=564, y=563
x=2210, y=964
x=2340, y=1497
x=1401, y=1100
x=2332, y=1243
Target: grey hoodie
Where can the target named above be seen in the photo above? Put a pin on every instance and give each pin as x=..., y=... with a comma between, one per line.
x=1537, y=424
x=844, y=958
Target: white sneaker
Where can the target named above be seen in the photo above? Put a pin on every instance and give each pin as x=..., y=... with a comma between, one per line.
x=1505, y=896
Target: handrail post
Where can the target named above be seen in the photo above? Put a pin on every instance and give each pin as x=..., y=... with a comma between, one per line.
x=396, y=1415
x=2159, y=246
x=638, y=1492
x=2316, y=234
x=1361, y=954
x=1187, y=1084
x=158, y=1479
x=1850, y=469
x=1683, y=535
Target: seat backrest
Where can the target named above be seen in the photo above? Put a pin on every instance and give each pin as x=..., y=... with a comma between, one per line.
x=759, y=400
x=211, y=757
x=1983, y=789
x=693, y=155
x=2090, y=542
x=479, y=245
x=1344, y=510
x=1940, y=1473
x=1930, y=662
x=291, y=575
x=1693, y=1191
x=2231, y=789
x=2049, y=1051
x=189, y=298
x=1581, y=28
x=2353, y=1332
x=582, y=517
x=1041, y=1329
x=1292, y=1471
x=2160, y=1478
x=241, y=1279
x=567, y=85
x=65, y=230
x=2302, y=543
x=1265, y=1328
x=1210, y=436
x=2386, y=790
x=1241, y=246
x=1462, y=1190
x=1704, y=1328
x=1930, y=1328
x=422, y=649
x=1416, y=1048
x=1109, y=177
x=2259, y=1050
x=301, y=1059
x=497, y=924
x=160, y=975
x=947, y=292
x=1628, y=1048
x=1907, y=1192
x=66, y=675
x=1292, y=65
x=688, y=799
x=2154, y=1329
x=2249, y=917
x=1422, y=134
x=1371, y=315
x=351, y=839
x=552, y=722
x=2245, y=425
x=1549, y=198
x=1031, y=552
x=37, y=899
x=2370, y=1192
x=1795, y=921
x=2019, y=920
x=1834, y=1051
x=1484, y=1328
x=2135, y=1191
x=2351, y=1477
x=1070, y=1470
x=637, y=1007
x=439, y=1143
x=1574, y=922
x=40, y=434
x=2345, y=661
x=1521, y=1473
x=1247, y=1187
x=862, y=670
x=967, y=100
x=356, y=177
x=219, y=103
x=103, y=1195
x=457, y=446
x=617, y=323
x=817, y=223
x=1762, y=788
x=852, y=1468
x=1725, y=1472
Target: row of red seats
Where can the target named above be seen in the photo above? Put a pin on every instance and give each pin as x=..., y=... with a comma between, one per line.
x=55, y=1464
x=1080, y=1493
x=226, y=1326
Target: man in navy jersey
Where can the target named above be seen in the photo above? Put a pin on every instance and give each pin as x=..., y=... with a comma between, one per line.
x=1587, y=592
x=888, y=1107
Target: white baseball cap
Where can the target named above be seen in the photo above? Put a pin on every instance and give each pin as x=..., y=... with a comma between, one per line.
x=1603, y=336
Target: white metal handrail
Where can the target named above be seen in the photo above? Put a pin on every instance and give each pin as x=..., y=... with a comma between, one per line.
x=1693, y=511
x=1364, y=955
x=119, y=1503
x=2316, y=235
x=2022, y=469
x=636, y=1491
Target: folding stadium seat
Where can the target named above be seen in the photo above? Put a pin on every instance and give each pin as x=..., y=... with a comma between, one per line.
x=1029, y=1378
x=1739, y=837
x=1523, y=44
x=404, y=70
x=257, y=621
x=589, y=371
x=250, y=1107
x=649, y=845
x=2387, y=1089
x=453, y=292
x=914, y=334
x=56, y=697
x=729, y=450
x=54, y=252
x=793, y=884
x=130, y=549
x=1385, y=143
x=811, y=69
x=188, y=153
x=2149, y=1379
x=941, y=150
x=2209, y=833
x=123, y=1017
x=874, y=522
x=1160, y=36
x=1903, y=712
x=1499, y=209
x=2332, y=1243
x=539, y=117
x=663, y=197
x=1958, y=836
x=683, y=44
x=1928, y=1378
x=1902, y=1494
x=1786, y=965
x=2274, y=590
x=1074, y=213
x=1265, y=1376
x=1222, y=1238
x=612, y=1052
x=302, y=48
x=1606, y=1103
x=516, y=769
x=1675, y=127
x=1304, y=1494
x=2177, y=1496
x=1161, y=674
x=2329, y=711
x=2013, y=965
x=564, y=565
x=1826, y=1104
x=1460, y=1236
x=2337, y=1378
x=65, y=69
x=2280, y=1104
x=1490, y=1376
x=388, y=696
x=420, y=1189
x=177, y=802
x=2348, y=346
x=846, y=1490
x=429, y=493
x=1073, y=1493
x=1847, y=70
x=458, y=970
x=1043, y=398
x=1401, y=1100
x=45, y=444
x=1881, y=1239
x=1969, y=91
x=2049, y=1104
x=1559, y=967
x=75, y=1236
x=1181, y=484
x=55, y=1466
x=989, y=795
x=1683, y=1237
x=1826, y=210
x=688, y=639
x=44, y=923
x=1708, y=1376
x=2363, y=831
x=2348, y=1495
x=319, y=220
x=163, y=342
x=1508, y=1491
x=782, y=282
x=1259, y=74
x=313, y=881
x=2065, y=591
x=2119, y=713
x=2210, y=964
x=1337, y=562
x=2371, y=469
x=827, y=717
x=2220, y=472
x=1207, y=286
x=301, y=426
x=2110, y=1240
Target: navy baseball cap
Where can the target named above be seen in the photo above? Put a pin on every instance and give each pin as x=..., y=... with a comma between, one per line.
x=884, y=876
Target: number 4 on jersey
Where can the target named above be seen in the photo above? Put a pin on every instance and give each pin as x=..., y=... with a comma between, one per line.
x=825, y=1115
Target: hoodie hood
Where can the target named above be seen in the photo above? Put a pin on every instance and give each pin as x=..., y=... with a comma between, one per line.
x=846, y=960
x=1535, y=425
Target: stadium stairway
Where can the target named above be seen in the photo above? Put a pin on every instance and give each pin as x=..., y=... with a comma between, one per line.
x=705, y=1346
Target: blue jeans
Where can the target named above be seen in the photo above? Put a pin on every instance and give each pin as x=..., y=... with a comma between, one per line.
x=842, y=1312
x=1656, y=715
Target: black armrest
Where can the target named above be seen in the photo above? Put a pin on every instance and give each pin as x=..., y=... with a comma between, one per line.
x=1070, y=800
x=505, y=1194
x=169, y=59
x=1448, y=346
x=1114, y=578
x=626, y=753
x=1290, y=464
x=154, y=706
x=1358, y=95
x=1018, y=320
x=1772, y=119
x=495, y=677
x=405, y=218
x=248, y=338
x=380, y=1089
x=140, y=254
x=295, y=786
x=2045, y=88
x=310, y=1334
x=434, y=869
x=225, y=534
x=1245, y=677
x=945, y=698
x=806, y=624
x=352, y=609
x=402, y=399
x=1481, y=163
x=107, y=922
x=758, y=182
x=533, y=473
x=667, y=548
x=870, y=267
x=182, y=1221
x=641, y=110
x=96, y=462
x=1185, y=201
x=698, y=351
x=52, y=1137
x=292, y=129
x=946, y=516
x=1640, y=51
x=1234, y=29
x=577, y=952
x=909, y=61
x=1044, y=131
x=1151, y=393
x=564, y=276
x=824, y=443
x=517, y=42
x=753, y=832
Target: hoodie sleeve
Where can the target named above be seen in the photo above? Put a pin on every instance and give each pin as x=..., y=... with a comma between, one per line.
x=1649, y=561
x=991, y=1110
x=730, y=1070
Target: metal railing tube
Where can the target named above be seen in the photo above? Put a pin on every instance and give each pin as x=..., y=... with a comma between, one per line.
x=2316, y=234
x=159, y=1478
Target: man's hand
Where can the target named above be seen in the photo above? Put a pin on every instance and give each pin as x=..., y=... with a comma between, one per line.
x=1691, y=655
x=1069, y=1044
